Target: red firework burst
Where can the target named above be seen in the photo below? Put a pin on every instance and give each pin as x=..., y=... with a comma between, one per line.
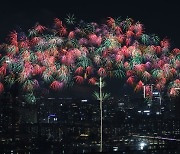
x=56, y=85
x=92, y=81
x=101, y=72
x=130, y=80
x=79, y=79
x=89, y=70
x=79, y=70
x=1, y=87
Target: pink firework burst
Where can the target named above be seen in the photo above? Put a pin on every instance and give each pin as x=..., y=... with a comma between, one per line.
x=79, y=70
x=39, y=28
x=56, y=85
x=94, y=39
x=173, y=92
x=130, y=80
x=139, y=86
x=89, y=70
x=92, y=81
x=102, y=72
x=79, y=79
x=1, y=87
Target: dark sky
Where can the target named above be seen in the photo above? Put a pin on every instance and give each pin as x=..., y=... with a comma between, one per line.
x=160, y=17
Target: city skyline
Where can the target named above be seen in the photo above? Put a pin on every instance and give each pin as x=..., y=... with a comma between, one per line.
x=72, y=126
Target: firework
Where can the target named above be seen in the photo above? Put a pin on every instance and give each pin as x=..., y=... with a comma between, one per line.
x=87, y=52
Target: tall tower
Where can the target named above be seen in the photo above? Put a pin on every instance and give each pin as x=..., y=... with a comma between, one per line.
x=153, y=97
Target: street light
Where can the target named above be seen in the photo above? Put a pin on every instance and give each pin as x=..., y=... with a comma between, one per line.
x=142, y=145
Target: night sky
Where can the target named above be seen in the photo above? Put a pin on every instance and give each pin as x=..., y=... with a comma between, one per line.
x=159, y=17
